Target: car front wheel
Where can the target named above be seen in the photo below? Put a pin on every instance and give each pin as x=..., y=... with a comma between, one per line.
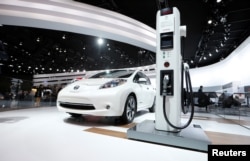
x=129, y=109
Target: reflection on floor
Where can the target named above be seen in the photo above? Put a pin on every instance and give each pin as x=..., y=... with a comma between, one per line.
x=215, y=137
x=45, y=134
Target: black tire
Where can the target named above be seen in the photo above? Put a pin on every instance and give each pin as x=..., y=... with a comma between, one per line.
x=152, y=108
x=130, y=109
x=75, y=115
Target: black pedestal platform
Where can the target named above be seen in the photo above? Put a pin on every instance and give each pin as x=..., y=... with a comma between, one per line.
x=192, y=137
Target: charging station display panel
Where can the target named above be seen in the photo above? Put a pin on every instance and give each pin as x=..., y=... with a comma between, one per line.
x=166, y=29
x=167, y=40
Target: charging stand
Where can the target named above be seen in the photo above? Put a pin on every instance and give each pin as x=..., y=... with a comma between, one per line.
x=190, y=138
x=163, y=130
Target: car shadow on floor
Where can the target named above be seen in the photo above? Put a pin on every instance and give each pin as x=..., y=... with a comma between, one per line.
x=87, y=120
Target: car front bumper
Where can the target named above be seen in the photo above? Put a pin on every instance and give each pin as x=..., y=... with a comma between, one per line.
x=104, y=102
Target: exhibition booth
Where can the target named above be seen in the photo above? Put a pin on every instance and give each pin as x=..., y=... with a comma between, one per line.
x=155, y=106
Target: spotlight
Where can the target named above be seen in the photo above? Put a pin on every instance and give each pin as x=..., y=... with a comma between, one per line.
x=221, y=43
x=100, y=41
x=223, y=19
x=209, y=21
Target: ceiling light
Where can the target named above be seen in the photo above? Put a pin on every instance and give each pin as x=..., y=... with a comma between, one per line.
x=218, y=1
x=215, y=23
x=223, y=19
x=227, y=30
x=100, y=41
x=221, y=44
x=38, y=39
x=226, y=37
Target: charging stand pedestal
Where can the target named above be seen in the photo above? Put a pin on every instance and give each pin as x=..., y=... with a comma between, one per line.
x=190, y=138
x=168, y=95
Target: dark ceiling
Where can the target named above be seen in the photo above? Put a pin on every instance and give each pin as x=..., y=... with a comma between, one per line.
x=30, y=51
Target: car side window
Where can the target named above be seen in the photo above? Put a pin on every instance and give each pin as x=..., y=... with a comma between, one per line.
x=136, y=78
x=147, y=79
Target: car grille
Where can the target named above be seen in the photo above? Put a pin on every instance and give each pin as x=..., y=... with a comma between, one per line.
x=79, y=106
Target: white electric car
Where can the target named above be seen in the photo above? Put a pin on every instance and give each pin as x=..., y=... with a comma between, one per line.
x=110, y=93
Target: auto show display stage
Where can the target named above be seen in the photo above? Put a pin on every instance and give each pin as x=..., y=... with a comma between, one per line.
x=45, y=134
x=192, y=137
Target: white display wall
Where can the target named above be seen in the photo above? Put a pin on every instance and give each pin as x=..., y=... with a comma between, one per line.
x=235, y=68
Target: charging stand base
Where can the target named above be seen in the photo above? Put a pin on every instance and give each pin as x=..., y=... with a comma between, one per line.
x=191, y=138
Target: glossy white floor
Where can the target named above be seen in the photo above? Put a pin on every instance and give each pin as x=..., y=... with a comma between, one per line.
x=45, y=134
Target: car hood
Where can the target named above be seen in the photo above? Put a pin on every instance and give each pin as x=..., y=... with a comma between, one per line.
x=87, y=84
x=93, y=81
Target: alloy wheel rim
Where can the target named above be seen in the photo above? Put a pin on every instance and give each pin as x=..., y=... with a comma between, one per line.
x=131, y=108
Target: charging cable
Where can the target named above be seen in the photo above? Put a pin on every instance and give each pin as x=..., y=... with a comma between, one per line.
x=189, y=88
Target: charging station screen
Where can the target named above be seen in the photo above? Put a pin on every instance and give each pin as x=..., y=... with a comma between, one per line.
x=167, y=41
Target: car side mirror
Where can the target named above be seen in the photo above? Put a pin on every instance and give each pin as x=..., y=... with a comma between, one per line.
x=142, y=81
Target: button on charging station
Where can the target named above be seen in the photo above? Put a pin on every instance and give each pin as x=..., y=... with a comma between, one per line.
x=166, y=64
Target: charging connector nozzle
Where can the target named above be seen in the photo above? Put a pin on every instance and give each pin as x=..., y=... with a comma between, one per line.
x=165, y=85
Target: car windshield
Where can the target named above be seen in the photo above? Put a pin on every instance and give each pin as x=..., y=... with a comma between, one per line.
x=114, y=74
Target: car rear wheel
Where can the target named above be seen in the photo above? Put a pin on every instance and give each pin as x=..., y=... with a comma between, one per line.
x=129, y=109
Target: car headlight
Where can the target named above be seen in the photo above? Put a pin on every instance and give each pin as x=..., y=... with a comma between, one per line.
x=113, y=83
